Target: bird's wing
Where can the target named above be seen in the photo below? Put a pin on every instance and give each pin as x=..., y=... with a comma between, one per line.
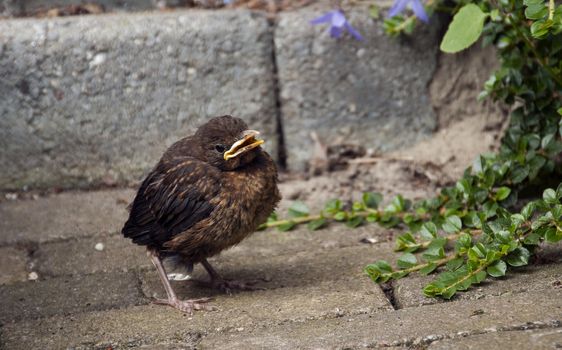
x=174, y=197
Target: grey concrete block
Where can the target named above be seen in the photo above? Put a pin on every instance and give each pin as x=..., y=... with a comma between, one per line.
x=531, y=278
x=251, y=320
x=63, y=216
x=91, y=98
x=373, y=93
x=14, y=265
x=79, y=256
x=66, y=295
x=538, y=339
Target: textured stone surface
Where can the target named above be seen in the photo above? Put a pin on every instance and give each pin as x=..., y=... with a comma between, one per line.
x=541, y=339
x=407, y=291
x=303, y=269
x=30, y=7
x=238, y=325
x=119, y=254
x=92, y=99
x=13, y=262
x=372, y=93
x=457, y=82
x=402, y=327
x=68, y=295
x=63, y=216
x=316, y=294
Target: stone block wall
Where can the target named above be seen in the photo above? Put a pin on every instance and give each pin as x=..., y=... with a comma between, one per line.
x=91, y=100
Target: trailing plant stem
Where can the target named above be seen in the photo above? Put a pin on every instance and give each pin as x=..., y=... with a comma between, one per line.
x=449, y=238
x=438, y=263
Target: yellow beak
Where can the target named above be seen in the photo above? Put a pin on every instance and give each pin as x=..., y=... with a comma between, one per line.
x=247, y=143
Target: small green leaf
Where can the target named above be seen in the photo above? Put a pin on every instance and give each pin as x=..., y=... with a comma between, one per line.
x=464, y=30
x=528, y=210
x=549, y=196
x=463, y=243
x=452, y=224
x=498, y=269
x=428, y=269
x=553, y=235
x=286, y=226
x=406, y=241
x=358, y=206
x=502, y=193
x=379, y=272
x=372, y=199
x=532, y=239
x=431, y=290
x=372, y=217
x=354, y=221
x=536, y=11
x=477, y=252
x=298, y=209
x=428, y=230
x=455, y=264
x=480, y=276
x=540, y=28
x=519, y=174
x=517, y=219
x=317, y=224
x=333, y=206
x=518, y=257
x=406, y=261
x=340, y=216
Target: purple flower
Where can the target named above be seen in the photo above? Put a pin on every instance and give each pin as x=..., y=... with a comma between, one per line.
x=337, y=24
x=399, y=6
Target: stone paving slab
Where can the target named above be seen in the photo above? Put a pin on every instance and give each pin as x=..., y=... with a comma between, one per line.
x=255, y=320
x=316, y=292
x=408, y=291
x=33, y=299
x=14, y=265
x=52, y=259
x=153, y=323
x=81, y=256
x=63, y=216
x=303, y=269
x=542, y=339
x=371, y=93
x=91, y=99
x=402, y=327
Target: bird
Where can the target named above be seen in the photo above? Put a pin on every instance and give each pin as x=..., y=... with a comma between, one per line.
x=208, y=192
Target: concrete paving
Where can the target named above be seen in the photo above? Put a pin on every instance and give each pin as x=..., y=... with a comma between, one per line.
x=60, y=288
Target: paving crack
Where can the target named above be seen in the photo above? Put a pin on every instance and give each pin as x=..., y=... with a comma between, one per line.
x=281, y=150
x=388, y=290
x=423, y=342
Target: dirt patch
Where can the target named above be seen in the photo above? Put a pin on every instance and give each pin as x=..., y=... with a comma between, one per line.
x=466, y=127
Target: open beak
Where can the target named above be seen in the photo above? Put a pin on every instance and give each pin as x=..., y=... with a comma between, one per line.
x=245, y=144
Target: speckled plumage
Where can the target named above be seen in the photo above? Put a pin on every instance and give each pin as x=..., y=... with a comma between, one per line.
x=194, y=204
x=196, y=209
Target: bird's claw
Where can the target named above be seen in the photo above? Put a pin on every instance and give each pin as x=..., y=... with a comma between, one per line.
x=187, y=306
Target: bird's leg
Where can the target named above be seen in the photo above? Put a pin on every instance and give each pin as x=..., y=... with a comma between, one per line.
x=183, y=305
x=222, y=284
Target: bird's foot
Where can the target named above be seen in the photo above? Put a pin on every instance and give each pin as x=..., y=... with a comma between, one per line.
x=187, y=305
x=228, y=286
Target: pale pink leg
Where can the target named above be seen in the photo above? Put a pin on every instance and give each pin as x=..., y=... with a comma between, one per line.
x=183, y=305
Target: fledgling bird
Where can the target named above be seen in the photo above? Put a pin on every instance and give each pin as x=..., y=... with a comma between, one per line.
x=207, y=193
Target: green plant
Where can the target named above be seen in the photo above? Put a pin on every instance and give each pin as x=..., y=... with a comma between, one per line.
x=472, y=230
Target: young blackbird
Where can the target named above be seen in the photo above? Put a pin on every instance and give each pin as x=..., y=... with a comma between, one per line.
x=207, y=193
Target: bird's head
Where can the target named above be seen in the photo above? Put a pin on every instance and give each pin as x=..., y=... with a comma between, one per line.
x=227, y=143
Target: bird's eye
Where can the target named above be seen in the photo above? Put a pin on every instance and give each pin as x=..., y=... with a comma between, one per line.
x=220, y=148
